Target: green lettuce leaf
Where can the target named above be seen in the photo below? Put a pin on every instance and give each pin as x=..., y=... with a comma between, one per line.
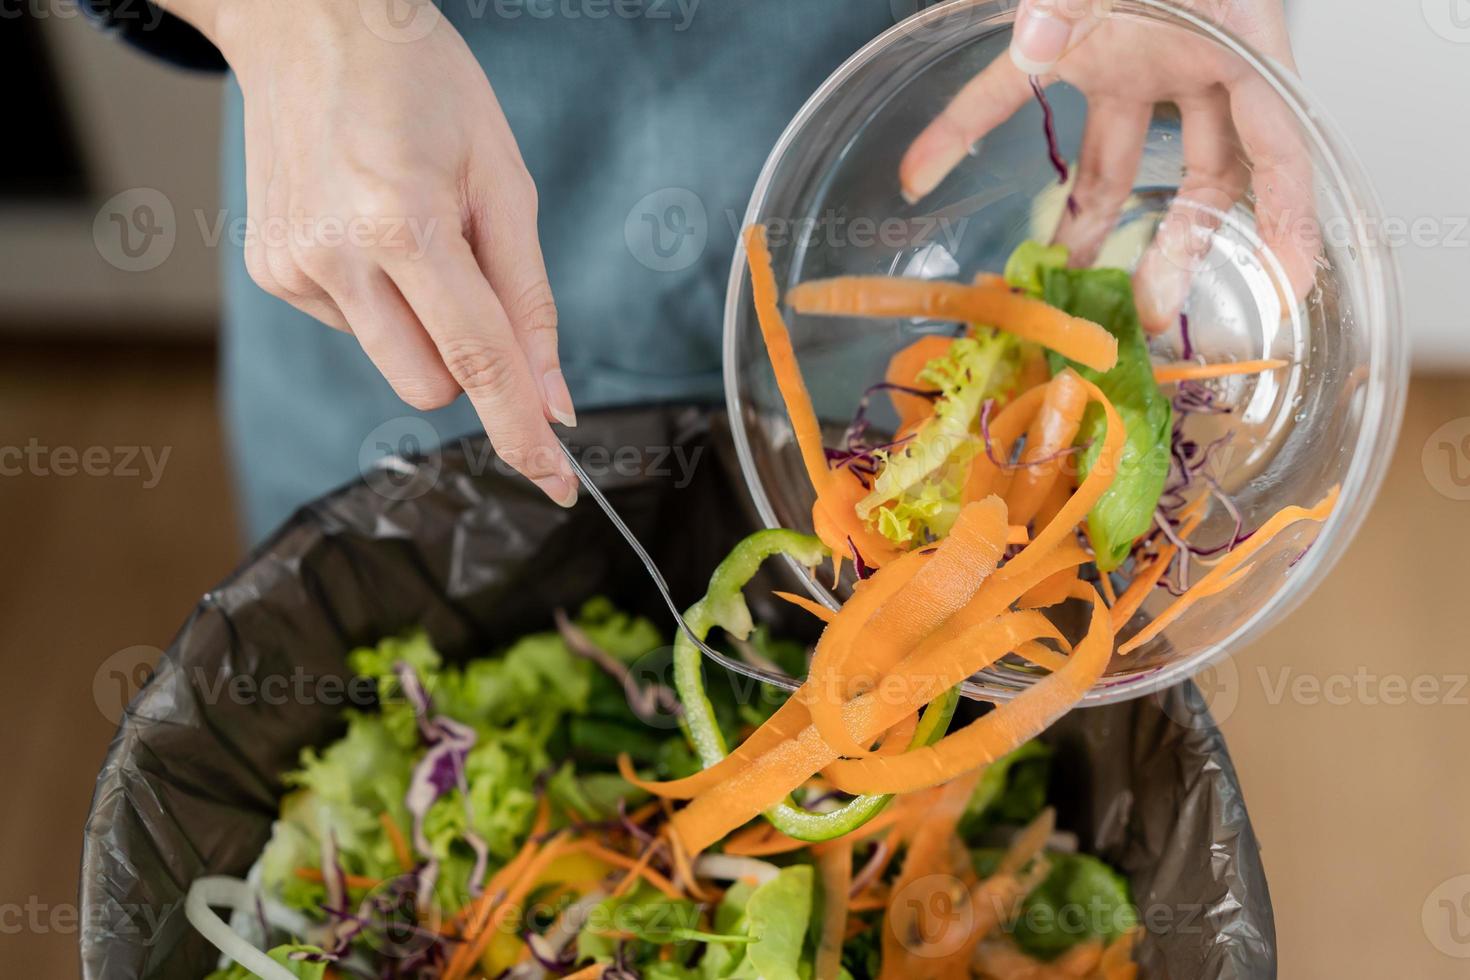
x=1011, y=791
x=1081, y=899
x=1126, y=510
x=1029, y=262
x=916, y=495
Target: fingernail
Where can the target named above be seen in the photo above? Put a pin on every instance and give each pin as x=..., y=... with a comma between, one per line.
x=561, y=490
x=558, y=397
x=932, y=170
x=1039, y=42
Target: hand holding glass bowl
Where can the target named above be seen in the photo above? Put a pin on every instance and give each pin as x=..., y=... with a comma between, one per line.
x=1202, y=166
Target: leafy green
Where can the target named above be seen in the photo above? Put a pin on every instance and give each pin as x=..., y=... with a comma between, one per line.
x=519, y=705
x=649, y=916
x=1081, y=899
x=917, y=493
x=773, y=918
x=1029, y=262
x=1011, y=791
x=304, y=969
x=1126, y=510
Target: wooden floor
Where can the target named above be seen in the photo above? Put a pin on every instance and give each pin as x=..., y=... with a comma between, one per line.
x=1360, y=801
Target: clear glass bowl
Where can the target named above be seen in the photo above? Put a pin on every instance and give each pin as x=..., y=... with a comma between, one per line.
x=829, y=196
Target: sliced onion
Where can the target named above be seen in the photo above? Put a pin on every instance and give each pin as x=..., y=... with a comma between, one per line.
x=230, y=893
x=733, y=867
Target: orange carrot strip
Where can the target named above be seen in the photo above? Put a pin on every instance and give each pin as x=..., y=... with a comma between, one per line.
x=1144, y=580
x=1052, y=590
x=1041, y=656
x=475, y=945
x=1052, y=430
x=1017, y=534
x=927, y=872
x=834, y=516
x=985, y=476
x=593, y=972
x=1190, y=371
x=963, y=560
x=397, y=840
x=1234, y=559
x=904, y=369
x=1030, y=319
x=636, y=868
x=778, y=772
x=993, y=735
x=836, y=868
x=352, y=881
x=810, y=605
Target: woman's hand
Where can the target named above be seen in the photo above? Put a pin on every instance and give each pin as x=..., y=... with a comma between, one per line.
x=1123, y=67
x=388, y=198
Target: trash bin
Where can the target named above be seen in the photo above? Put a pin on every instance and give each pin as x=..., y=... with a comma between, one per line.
x=453, y=542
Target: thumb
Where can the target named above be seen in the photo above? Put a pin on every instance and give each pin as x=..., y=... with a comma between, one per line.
x=1047, y=29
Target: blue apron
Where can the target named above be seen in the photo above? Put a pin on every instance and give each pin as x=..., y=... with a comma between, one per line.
x=644, y=124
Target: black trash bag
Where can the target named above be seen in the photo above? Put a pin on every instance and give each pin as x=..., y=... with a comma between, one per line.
x=457, y=544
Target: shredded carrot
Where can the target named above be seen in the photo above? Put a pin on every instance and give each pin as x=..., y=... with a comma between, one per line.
x=1233, y=560
x=1041, y=656
x=904, y=369
x=1190, y=371
x=962, y=561
x=1110, y=596
x=986, y=476
x=1050, y=591
x=834, y=516
x=1017, y=534
x=636, y=867
x=993, y=735
x=397, y=840
x=352, y=881
x=593, y=972
x=474, y=946
x=995, y=305
x=836, y=868
x=1052, y=430
x=810, y=605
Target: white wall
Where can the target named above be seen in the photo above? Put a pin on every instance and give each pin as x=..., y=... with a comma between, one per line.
x=1394, y=76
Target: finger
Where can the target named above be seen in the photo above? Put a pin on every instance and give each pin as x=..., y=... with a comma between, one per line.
x=986, y=101
x=1214, y=179
x=258, y=164
x=508, y=250
x=1281, y=180
x=1112, y=148
x=1047, y=29
x=473, y=336
x=395, y=341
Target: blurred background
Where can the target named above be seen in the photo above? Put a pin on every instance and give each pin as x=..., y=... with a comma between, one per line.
x=1348, y=723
